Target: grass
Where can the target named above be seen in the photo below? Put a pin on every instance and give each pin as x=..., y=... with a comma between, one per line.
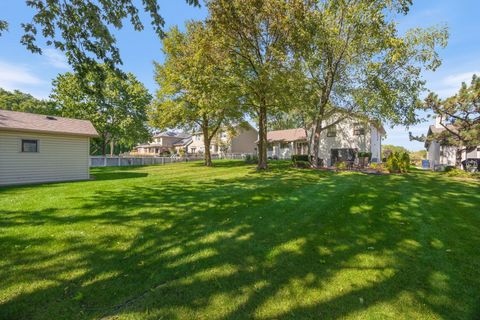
x=187, y=242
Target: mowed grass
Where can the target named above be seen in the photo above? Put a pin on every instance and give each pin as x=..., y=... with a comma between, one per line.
x=186, y=242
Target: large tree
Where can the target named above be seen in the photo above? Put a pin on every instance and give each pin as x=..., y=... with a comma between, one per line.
x=254, y=34
x=350, y=60
x=117, y=108
x=459, y=116
x=196, y=90
x=24, y=102
x=83, y=29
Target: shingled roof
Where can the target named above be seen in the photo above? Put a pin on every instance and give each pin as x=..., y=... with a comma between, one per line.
x=287, y=135
x=22, y=121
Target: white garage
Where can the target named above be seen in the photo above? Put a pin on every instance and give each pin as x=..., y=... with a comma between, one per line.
x=37, y=148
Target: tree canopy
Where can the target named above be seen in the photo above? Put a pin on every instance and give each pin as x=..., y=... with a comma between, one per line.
x=24, y=102
x=118, y=113
x=196, y=91
x=83, y=29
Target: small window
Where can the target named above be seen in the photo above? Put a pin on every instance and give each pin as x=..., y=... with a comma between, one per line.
x=284, y=145
x=358, y=129
x=270, y=147
x=332, y=131
x=29, y=145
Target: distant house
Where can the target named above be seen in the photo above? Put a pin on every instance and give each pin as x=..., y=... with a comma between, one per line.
x=241, y=140
x=164, y=142
x=441, y=155
x=37, y=148
x=338, y=143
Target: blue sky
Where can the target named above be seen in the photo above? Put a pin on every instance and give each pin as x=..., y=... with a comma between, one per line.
x=22, y=70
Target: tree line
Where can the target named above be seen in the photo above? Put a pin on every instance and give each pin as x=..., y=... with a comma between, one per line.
x=280, y=63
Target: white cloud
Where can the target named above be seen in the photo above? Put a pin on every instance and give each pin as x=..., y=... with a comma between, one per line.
x=450, y=84
x=56, y=58
x=20, y=77
x=11, y=76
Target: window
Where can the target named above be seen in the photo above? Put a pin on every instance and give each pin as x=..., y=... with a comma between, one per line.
x=29, y=145
x=284, y=145
x=358, y=129
x=270, y=147
x=332, y=131
x=197, y=137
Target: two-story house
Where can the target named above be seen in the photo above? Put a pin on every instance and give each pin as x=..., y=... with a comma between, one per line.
x=163, y=142
x=338, y=143
x=240, y=140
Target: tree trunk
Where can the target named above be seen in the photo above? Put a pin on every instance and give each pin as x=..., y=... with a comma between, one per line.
x=112, y=146
x=262, y=138
x=104, y=148
x=206, y=144
x=316, y=143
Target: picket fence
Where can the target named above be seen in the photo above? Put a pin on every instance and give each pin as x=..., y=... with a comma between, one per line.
x=119, y=161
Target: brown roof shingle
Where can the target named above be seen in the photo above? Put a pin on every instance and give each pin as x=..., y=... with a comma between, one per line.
x=287, y=135
x=22, y=121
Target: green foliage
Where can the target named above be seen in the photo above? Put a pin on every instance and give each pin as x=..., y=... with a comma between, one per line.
x=83, y=29
x=300, y=157
x=341, y=165
x=3, y=26
x=364, y=155
x=398, y=162
x=254, y=35
x=196, y=91
x=251, y=159
x=387, y=149
x=117, y=108
x=459, y=114
x=351, y=59
x=24, y=102
x=455, y=172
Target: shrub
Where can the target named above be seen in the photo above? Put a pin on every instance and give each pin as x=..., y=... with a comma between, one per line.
x=404, y=162
x=398, y=162
x=377, y=166
x=364, y=155
x=449, y=168
x=455, y=172
x=251, y=159
x=300, y=157
x=341, y=165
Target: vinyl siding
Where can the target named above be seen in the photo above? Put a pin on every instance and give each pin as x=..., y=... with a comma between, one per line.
x=244, y=141
x=59, y=158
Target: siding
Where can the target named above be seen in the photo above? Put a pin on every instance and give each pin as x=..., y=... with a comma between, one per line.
x=244, y=141
x=345, y=139
x=60, y=158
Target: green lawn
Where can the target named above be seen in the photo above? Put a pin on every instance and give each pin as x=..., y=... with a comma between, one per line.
x=186, y=242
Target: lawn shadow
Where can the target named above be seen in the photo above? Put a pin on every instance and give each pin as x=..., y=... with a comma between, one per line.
x=282, y=244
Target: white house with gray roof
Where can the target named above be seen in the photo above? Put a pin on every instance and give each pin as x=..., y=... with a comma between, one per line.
x=37, y=148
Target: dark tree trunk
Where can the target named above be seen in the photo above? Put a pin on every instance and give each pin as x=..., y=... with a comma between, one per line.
x=262, y=138
x=206, y=144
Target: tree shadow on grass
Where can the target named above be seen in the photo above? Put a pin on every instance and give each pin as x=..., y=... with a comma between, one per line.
x=285, y=244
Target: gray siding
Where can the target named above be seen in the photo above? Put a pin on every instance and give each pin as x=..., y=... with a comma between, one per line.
x=60, y=158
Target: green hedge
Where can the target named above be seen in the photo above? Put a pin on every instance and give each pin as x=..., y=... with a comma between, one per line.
x=300, y=157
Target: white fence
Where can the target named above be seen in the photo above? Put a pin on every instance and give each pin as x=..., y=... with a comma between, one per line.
x=118, y=161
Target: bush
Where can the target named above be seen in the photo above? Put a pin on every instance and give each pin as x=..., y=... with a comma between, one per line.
x=300, y=157
x=455, y=172
x=364, y=155
x=449, y=168
x=341, y=165
x=398, y=162
x=251, y=159
x=377, y=166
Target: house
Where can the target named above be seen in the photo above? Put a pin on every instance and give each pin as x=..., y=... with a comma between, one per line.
x=163, y=142
x=440, y=155
x=242, y=139
x=37, y=148
x=339, y=142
